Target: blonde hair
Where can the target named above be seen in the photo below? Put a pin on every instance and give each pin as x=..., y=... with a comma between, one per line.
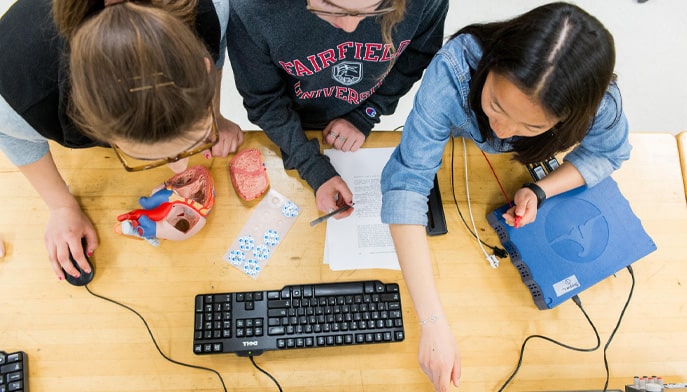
x=390, y=20
x=138, y=72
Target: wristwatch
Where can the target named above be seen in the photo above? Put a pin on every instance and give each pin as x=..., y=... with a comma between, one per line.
x=541, y=195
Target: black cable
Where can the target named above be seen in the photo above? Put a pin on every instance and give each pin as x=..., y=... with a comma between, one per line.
x=155, y=342
x=577, y=301
x=498, y=252
x=265, y=372
x=617, y=325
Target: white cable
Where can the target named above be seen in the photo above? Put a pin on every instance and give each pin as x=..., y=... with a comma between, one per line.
x=493, y=261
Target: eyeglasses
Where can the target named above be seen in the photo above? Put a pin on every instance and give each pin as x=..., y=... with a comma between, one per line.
x=346, y=12
x=134, y=164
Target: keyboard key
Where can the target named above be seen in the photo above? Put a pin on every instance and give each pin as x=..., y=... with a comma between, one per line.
x=282, y=303
x=326, y=290
x=276, y=331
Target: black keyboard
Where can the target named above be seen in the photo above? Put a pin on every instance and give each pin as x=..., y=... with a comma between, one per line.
x=298, y=316
x=14, y=372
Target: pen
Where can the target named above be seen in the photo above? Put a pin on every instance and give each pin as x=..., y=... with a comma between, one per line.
x=331, y=214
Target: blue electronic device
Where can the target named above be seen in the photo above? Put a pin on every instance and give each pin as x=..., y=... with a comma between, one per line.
x=578, y=239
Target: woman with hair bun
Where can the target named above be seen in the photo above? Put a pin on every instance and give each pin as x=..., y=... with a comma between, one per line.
x=138, y=77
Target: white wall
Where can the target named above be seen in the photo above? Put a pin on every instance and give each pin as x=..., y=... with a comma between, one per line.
x=651, y=46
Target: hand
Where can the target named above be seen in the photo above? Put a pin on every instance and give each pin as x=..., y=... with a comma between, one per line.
x=230, y=137
x=66, y=227
x=525, y=207
x=342, y=135
x=439, y=356
x=334, y=193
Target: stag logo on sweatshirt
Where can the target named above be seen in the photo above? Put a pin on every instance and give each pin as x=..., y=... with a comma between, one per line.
x=348, y=72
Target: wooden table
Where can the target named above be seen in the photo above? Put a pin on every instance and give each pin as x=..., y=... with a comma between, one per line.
x=77, y=342
x=682, y=148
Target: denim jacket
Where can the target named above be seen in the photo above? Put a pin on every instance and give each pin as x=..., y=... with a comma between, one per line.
x=441, y=110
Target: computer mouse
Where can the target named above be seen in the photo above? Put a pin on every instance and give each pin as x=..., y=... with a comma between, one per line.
x=84, y=278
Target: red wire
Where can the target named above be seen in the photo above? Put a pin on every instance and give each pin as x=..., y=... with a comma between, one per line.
x=497, y=179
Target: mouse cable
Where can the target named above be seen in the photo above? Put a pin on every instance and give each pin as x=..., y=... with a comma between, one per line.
x=155, y=342
x=499, y=252
x=577, y=301
x=265, y=372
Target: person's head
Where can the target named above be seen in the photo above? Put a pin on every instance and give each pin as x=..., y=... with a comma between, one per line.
x=347, y=14
x=140, y=78
x=542, y=77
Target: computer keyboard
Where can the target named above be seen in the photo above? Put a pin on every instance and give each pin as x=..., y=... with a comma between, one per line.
x=298, y=316
x=14, y=372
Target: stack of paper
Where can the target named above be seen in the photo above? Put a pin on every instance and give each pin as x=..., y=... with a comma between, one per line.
x=361, y=240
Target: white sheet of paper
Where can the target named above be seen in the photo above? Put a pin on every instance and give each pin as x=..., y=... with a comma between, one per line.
x=361, y=240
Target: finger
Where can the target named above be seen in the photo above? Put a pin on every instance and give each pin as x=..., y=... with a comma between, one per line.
x=520, y=210
x=333, y=138
x=78, y=251
x=455, y=375
x=347, y=144
x=232, y=143
x=91, y=240
x=356, y=144
x=64, y=260
x=227, y=143
x=239, y=141
x=221, y=149
x=341, y=141
x=344, y=214
x=444, y=381
x=56, y=267
x=326, y=131
x=343, y=193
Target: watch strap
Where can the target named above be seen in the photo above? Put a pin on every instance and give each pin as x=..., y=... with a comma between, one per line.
x=541, y=195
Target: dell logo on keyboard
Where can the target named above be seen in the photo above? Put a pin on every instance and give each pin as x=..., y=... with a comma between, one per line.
x=250, y=343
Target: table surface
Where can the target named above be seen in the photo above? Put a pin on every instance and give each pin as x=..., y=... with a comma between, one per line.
x=77, y=342
x=682, y=148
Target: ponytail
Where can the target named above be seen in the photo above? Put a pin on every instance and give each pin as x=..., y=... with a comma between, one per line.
x=69, y=14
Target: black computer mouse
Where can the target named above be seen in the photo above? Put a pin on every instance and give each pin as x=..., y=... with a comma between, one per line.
x=84, y=278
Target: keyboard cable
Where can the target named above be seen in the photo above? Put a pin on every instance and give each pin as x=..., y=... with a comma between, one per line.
x=265, y=372
x=175, y=361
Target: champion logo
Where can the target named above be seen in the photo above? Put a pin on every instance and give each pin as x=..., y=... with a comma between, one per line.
x=371, y=112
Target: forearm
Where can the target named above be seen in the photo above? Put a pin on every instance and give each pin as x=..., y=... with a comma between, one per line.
x=414, y=257
x=47, y=181
x=561, y=180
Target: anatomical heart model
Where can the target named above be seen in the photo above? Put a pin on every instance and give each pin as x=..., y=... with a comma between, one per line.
x=176, y=210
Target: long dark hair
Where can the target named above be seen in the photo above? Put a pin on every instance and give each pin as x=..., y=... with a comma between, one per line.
x=559, y=55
